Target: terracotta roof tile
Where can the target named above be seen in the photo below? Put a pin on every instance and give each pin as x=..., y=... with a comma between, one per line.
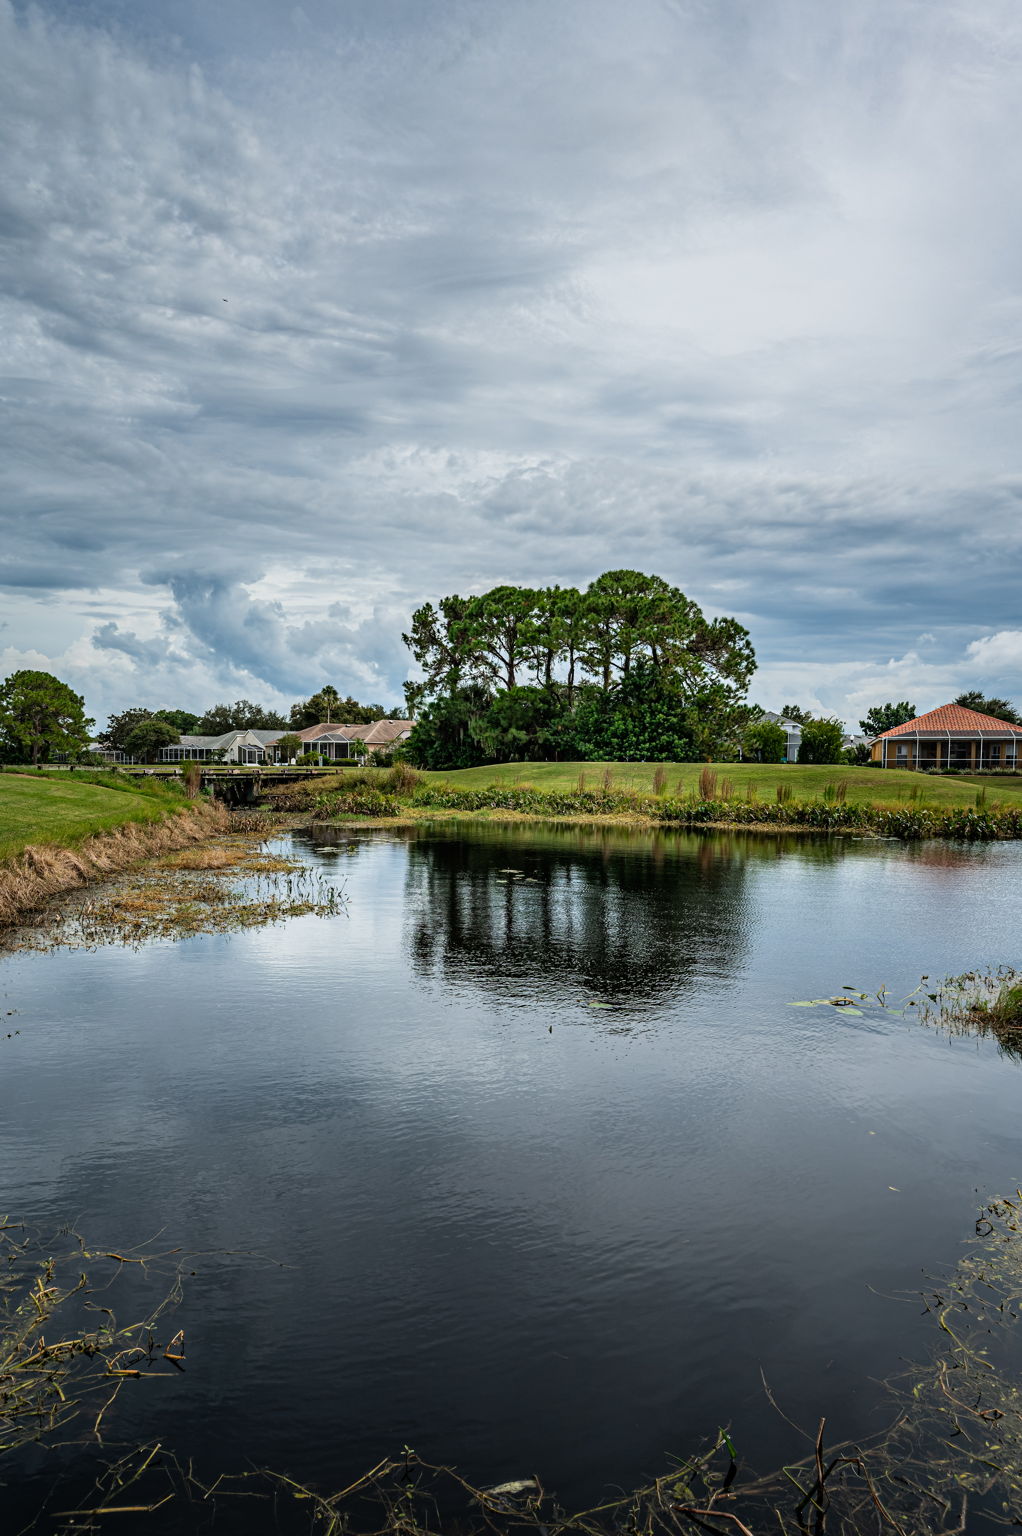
x=952, y=717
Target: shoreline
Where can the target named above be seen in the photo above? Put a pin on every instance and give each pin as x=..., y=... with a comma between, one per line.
x=635, y=819
x=45, y=870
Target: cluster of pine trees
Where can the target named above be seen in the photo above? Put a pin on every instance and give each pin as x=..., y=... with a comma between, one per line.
x=630, y=669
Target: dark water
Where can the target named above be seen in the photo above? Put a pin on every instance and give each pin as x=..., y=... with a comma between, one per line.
x=502, y=1225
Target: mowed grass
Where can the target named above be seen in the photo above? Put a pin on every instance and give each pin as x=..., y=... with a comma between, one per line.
x=65, y=809
x=880, y=785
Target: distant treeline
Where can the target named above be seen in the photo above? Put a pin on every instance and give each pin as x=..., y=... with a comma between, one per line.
x=630, y=669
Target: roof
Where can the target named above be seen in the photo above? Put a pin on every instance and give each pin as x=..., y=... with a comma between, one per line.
x=790, y=725
x=952, y=717
x=375, y=733
x=215, y=743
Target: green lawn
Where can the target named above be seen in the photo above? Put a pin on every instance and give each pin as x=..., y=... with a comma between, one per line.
x=882, y=785
x=65, y=808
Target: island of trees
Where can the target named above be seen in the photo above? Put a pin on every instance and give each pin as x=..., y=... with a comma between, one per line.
x=629, y=669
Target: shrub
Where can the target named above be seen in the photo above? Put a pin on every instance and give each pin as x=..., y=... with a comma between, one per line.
x=356, y=800
x=403, y=779
x=823, y=741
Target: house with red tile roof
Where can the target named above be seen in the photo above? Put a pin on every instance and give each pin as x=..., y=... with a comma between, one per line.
x=339, y=743
x=950, y=738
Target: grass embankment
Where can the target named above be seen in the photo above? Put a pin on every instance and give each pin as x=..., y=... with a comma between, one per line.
x=42, y=808
x=913, y=805
x=60, y=833
x=880, y=785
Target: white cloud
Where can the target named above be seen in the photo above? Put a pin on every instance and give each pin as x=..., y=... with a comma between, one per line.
x=512, y=293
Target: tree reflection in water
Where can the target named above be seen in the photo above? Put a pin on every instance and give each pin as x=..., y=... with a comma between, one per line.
x=584, y=914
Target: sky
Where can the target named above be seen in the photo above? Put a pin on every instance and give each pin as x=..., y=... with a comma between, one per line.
x=315, y=312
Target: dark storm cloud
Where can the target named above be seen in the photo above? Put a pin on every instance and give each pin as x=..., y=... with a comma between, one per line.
x=313, y=314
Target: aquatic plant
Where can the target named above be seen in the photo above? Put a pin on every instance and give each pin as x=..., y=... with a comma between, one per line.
x=62, y=1287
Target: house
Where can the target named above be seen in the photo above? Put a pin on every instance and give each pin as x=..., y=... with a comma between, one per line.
x=246, y=747
x=338, y=743
x=950, y=737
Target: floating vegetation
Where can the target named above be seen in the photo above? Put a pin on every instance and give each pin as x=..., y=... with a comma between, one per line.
x=976, y=1003
x=219, y=887
x=984, y=1003
x=64, y=1286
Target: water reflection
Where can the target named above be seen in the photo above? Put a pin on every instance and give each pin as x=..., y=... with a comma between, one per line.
x=568, y=1251
x=580, y=914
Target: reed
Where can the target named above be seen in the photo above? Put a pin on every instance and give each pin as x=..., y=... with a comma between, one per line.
x=707, y=784
x=660, y=779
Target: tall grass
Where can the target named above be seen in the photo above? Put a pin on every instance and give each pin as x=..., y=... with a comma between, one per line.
x=660, y=779
x=707, y=784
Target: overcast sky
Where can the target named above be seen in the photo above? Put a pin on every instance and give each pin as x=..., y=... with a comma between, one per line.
x=312, y=312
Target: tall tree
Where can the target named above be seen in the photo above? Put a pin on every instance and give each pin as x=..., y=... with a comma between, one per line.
x=884, y=717
x=795, y=713
x=498, y=633
x=1001, y=709
x=40, y=716
x=438, y=642
x=631, y=616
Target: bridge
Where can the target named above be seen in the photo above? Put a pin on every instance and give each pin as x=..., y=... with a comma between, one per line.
x=234, y=786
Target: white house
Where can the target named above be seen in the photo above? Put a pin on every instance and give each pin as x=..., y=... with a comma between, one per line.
x=246, y=747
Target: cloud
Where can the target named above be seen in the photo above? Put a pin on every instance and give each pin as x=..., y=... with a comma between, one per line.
x=313, y=314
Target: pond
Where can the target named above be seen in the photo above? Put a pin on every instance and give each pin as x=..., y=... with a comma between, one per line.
x=524, y=1158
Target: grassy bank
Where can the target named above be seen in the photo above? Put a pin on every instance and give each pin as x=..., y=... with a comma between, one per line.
x=58, y=834
x=63, y=811
x=882, y=785
x=915, y=807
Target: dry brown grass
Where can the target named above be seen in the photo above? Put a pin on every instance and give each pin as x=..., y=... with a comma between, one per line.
x=219, y=856
x=45, y=870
